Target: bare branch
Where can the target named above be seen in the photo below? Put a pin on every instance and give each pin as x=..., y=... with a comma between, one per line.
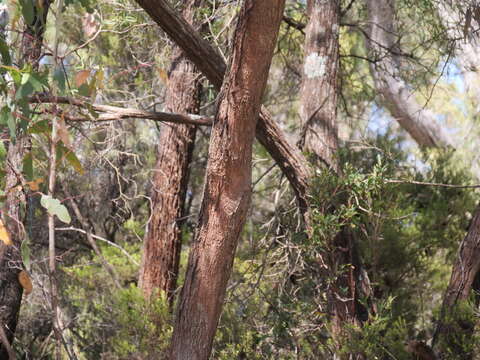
x=112, y=113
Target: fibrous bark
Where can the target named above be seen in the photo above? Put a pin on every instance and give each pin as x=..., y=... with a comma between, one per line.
x=319, y=92
x=10, y=258
x=228, y=181
x=162, y=244
x=318, y=99
x=16, y=202
x=452, y=332
x=211, y=64
x=382, y=43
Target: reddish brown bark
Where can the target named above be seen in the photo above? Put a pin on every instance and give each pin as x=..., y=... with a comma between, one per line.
x=228, y=180
x=15, y=202
x=162, y=245
x=452, y=331
x=10, y=258
x=211, y=64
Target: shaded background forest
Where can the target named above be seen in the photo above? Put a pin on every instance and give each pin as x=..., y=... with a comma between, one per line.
x=408, y=203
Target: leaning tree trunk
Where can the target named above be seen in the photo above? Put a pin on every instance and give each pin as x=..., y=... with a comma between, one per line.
x=14, y=210
x=228, y=181
x=382, y=44
x=454, y=330
x=162, y=244
x=211, y=64
x=318, y=111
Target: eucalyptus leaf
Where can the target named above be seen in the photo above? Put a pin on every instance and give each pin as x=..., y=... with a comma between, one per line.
x=55, y=207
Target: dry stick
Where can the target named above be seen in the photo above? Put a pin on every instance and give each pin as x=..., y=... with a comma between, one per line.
x=6, y=344
x=111, y=113
x=393, y=181
x=51, y=241
x=92, y=242
x=130, y=257
x=51, y=220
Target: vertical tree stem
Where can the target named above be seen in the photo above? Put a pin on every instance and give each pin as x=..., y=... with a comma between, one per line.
x=51, y=220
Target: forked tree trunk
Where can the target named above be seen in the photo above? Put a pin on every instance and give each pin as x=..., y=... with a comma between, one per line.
x=228, y=181
x=162, y=244
x=15, y=203
x=211, y=64
x=318, y=99
x=452, y=330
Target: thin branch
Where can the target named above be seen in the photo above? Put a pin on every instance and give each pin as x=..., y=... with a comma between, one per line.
x=110, y=269
x=112, y=113
x=294, y=24
x=71, y=228
x=393, y=181
x=6, y=344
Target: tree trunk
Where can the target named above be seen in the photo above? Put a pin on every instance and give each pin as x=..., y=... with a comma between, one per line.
x=228, y=181
x=318, y=110
x=382, y=43
x=452, y=330
x=211, y=64
x=10, y=258
x=162, y=245
x=318, y=96
x=15, y=204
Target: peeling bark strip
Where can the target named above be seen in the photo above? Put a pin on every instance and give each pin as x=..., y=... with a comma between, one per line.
x=228, y=181
x=320, y=85
x=15, y=202
x=209, y=61
x=419, y=122
x=163, y=241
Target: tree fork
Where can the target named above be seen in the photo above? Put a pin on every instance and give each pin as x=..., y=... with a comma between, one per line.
x=211, y=64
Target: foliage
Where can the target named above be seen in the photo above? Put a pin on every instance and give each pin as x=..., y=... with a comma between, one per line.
x=276, y=305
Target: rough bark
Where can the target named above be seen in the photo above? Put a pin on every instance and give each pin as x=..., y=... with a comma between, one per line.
x=211, y=64
x=319, y=91
x=163, y=241
x=115, y=113
x=382, y=43
x=228, y=180
x=15, y=202
x=318, y=99
x=10, y=258
x=452, y=331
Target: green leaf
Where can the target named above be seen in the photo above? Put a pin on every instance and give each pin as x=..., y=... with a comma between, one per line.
x=74, y=162
x=24, y=91
x=54, y=207
x=15, y=74
x=25, y=251
x=59, y=77
x=84, y=90
x=7, y=119
x=28, y=166
x=25, y=107
x=5, y=52
x=40, y=127
x=27, y=11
